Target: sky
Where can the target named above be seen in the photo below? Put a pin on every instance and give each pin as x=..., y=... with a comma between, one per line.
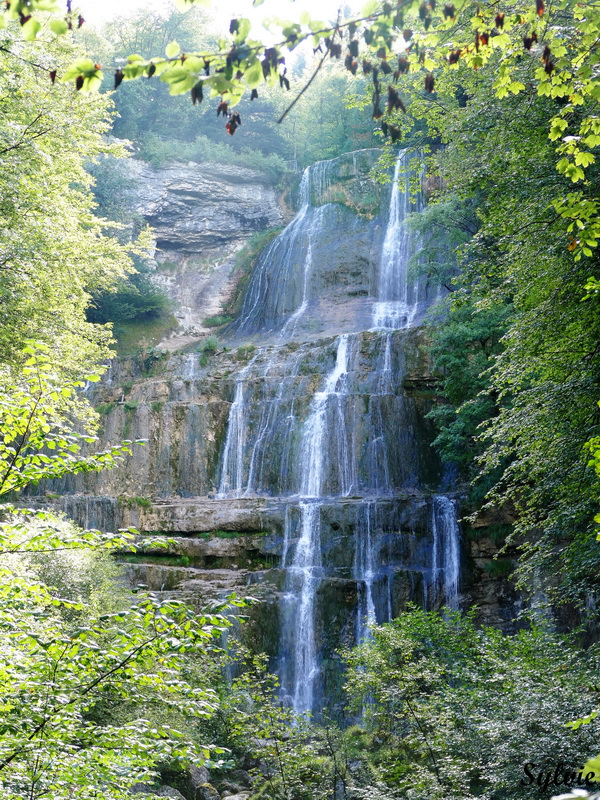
x=98, y=11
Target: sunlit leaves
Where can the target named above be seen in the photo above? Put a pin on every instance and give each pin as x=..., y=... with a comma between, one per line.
x=37, y=439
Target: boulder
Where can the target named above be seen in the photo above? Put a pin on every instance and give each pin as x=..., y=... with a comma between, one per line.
x=169, y=791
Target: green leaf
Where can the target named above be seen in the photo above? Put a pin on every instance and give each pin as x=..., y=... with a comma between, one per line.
x=31, y=29
x=172, y=49
x=58, y=26
x=254, y=74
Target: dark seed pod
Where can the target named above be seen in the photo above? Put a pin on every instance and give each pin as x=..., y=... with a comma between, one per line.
x=197, y=93
x=394, y=101
x=377, y=112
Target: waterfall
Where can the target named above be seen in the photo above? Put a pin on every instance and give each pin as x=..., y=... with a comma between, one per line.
x=232, y=469
x=364, y=573
x=273, y=289
x=304, y=571
x=397, y=301
x=189, y=368
x=445, y=557
x=311, y=452
x=342, y=461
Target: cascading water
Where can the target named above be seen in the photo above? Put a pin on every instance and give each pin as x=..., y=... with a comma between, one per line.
x=396, y=304
x=445, y=557
x=303, y=573
x=232, y=470
x=275, y=297
x=346, y=463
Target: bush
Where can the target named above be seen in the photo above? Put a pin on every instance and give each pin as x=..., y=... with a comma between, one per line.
x=455, y=711
x=159, y=151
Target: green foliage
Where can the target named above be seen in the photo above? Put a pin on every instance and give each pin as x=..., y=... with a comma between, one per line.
x=465, y=341
x=499, y=567
x=81, y=693
x=37, y=414
x=105, y=408
x=55, y=252
x=515, y=344
x=298, y=761
x=159, y=151
x=140, y=502
x=453, y=711
x=138, y=336
x=217, y=321
x=209, y=345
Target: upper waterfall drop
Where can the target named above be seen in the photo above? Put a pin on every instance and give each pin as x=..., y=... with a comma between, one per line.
x=397, y=300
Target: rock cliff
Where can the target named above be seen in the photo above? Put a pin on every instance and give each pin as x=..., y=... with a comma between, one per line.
x=201, y=215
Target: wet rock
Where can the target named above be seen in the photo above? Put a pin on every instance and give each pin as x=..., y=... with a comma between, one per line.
x=143, y=788
x=201, y=214
x=205, y=792
x=227, y=788
x=242, y=777
x=169, y=791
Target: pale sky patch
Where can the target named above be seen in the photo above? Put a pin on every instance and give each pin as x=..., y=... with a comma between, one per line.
x=96, y=12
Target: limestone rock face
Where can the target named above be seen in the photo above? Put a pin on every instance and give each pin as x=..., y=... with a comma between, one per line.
x=203, y=208
x=201, y=214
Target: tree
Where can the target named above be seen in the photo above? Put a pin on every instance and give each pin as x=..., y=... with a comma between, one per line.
x=452, y=711
x=54, y=250
x=88, y=698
